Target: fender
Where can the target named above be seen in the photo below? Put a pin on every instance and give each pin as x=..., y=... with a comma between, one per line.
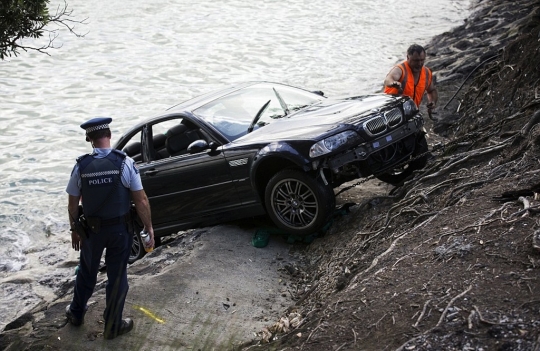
x=281, y=150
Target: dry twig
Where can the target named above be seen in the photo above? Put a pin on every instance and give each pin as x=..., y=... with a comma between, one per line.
x=376, y=324
x=422, y=314
x=402, y=347
x=312, y=332
x=482, y=319
x=450, y=304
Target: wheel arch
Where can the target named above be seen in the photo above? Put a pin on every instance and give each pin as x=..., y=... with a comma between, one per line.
x=272, y=159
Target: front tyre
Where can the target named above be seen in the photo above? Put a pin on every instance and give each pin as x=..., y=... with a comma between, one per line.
x=298, y=203
x=398, y=175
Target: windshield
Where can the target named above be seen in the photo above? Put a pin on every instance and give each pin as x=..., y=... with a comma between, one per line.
x=234, y=113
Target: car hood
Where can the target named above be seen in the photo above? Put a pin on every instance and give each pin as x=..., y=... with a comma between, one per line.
x=317, y=121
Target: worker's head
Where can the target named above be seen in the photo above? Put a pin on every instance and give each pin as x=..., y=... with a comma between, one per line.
x=416, y=56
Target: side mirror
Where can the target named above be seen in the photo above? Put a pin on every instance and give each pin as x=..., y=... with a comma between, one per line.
x=197, y=146
x=213, y=146
x=201, y=145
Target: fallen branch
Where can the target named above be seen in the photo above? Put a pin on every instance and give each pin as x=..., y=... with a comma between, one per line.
x=470, y=320
x=400, y=259
x=402, y=347
x=529, y=302
x=311, y=334
x=482, y=319
x=450, y=304
x=480, y=182
x=415, y=325
x=376, y=324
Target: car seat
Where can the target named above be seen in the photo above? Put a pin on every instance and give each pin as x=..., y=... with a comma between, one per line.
x=133, y=150
x=178, y=139
x=160, y=151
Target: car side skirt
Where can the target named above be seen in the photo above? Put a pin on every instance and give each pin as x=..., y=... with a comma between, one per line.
x=251, y=210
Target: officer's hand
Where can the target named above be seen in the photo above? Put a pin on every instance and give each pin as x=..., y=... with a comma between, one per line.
x=152, y=241
x=395, y=84
x=75, y=241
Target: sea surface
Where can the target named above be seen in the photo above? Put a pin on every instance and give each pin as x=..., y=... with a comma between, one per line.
x=136, y=58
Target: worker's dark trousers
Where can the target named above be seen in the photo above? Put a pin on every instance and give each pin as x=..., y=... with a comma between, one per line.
x=117, y=241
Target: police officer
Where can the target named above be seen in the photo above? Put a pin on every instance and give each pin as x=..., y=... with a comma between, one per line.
x=106, y=181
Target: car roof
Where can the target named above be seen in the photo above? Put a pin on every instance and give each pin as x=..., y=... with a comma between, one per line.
x=191, y=104
x=185, y=108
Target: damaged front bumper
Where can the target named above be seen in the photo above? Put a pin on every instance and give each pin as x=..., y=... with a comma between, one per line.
x=361, y=152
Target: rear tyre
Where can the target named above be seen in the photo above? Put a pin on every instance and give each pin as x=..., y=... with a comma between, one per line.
x=137, y=248
x=298, y=203
x=397, y=176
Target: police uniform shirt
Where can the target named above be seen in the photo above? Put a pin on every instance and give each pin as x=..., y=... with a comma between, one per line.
x=131, y=178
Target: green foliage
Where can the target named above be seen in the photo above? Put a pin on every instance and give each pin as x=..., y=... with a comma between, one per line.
x=20, y=19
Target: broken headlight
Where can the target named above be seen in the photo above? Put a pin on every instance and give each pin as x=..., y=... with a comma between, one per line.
x=332, y=143
x=409, y=109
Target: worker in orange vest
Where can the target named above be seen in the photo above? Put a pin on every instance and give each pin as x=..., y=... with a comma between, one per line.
x=412, y=79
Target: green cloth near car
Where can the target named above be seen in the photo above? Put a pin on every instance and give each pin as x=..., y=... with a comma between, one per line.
x=262, y=235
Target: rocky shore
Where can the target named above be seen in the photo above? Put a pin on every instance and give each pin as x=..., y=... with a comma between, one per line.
x=448, y=261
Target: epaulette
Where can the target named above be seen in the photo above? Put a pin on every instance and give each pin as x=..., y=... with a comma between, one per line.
x=119, y=152
x=80, y=158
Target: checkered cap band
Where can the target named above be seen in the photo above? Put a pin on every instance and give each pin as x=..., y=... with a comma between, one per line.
x=98, y=127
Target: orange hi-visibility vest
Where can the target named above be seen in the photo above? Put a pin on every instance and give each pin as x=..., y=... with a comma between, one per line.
x=415, y=91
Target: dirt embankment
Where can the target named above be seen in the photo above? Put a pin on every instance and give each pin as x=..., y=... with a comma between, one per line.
x=450, y=260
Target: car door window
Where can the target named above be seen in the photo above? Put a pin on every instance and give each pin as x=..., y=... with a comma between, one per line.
x=133, y=148
x=171, y=138
x=158, y=149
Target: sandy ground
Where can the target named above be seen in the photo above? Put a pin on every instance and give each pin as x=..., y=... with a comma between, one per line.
x=203, y=289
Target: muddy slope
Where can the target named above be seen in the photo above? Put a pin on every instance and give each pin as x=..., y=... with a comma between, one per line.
x=450, y=260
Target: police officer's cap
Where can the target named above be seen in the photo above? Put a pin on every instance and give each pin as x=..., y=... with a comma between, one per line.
x=97, y=123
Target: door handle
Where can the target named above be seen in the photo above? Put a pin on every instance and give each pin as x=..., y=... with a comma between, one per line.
x=151, y=172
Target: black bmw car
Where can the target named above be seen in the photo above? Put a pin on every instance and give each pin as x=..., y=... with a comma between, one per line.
x=266, y=148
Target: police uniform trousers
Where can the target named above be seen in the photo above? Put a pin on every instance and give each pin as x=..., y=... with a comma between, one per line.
x=117, y=240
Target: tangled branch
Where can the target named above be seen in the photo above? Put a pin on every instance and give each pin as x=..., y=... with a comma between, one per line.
x=22, y=22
